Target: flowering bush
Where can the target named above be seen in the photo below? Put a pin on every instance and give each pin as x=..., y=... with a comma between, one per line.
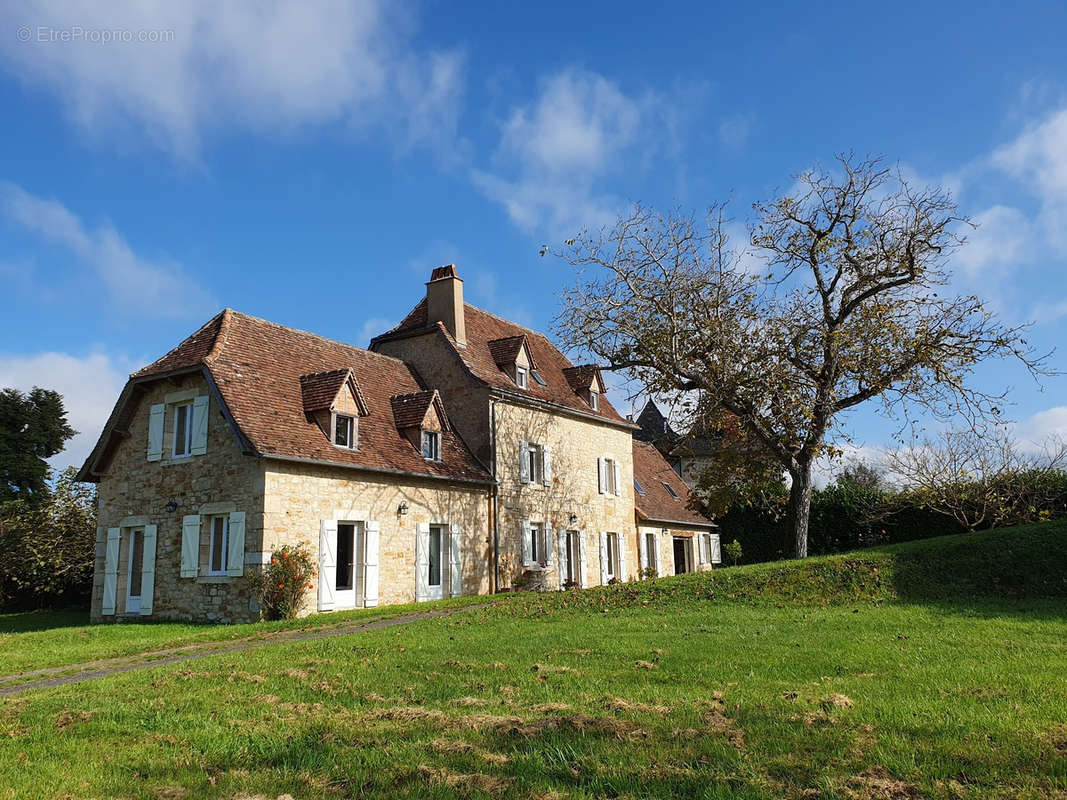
x=284, y=582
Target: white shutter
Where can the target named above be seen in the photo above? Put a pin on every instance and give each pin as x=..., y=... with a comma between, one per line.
x=715, y=548
x=455, y=562
x=148, y=569
x=549, y=537
x=603, y=558
x=601, y=475
x=642, y=550
x=620, y=540
x=618, y=480
x=524, y=462
x=200, y=420
x=111, y=571
x=156, y=416
x=546, y=465
x=372, y=537
x=525, y=534
x=695, y=544
x=561, y=548
x=235, y=548
x=190, y=546
x=422, y=562
x=327, y=564
x=580, y=572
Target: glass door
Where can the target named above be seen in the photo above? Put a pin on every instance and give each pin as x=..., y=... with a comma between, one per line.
x=435, y=577
x=346, y=586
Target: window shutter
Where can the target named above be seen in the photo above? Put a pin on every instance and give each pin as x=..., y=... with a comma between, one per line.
x=156, y=416
x=422, y=562
x=561, y=547
x=372, y=537
x=190, y=546
x=546, y=465
x=148, y=569
x=455, y=561
x=601, y=475
x=694, y=543
x=524, y=462
x=235, y=548
x=642, y=548
x=549, y=538
x=620, y=539
x=327, y=564
x=603, y=558
x=618, y=482
x=715, y=548
x=580, y=572
x=200, y=421
x=111, y=571
x=525, y=533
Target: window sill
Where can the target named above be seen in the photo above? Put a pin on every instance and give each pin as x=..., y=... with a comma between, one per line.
x=214, y=579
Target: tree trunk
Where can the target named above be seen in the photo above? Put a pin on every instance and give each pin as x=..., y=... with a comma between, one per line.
x=800, y=510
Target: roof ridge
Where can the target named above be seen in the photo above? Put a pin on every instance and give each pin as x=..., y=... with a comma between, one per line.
x=315, y=336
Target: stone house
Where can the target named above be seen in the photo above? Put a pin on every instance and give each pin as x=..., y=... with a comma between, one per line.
x=462, y=453
x=688, y=454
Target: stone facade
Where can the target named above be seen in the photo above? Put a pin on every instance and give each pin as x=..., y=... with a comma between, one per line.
x=135, y=492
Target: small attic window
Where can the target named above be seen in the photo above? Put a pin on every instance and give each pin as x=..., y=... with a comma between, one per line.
x=594, y=400
x=537, y=377
x=431, y=445
x=522, y=377
x=670, y=489
x=637, y=485
x=345, y=431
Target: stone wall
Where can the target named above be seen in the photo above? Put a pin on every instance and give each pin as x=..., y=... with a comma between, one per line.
x=300, y=496
x=575, y=446
x=665, y=538
x=135, y=492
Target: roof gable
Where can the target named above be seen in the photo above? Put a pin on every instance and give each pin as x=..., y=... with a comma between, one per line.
x=415, y=409
x=320, y=390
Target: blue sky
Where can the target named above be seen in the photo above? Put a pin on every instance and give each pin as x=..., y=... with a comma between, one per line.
x=310, y=163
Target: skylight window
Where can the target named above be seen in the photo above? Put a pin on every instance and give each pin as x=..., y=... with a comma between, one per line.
x=670, y=489
x=637, y=485
x=537, y=377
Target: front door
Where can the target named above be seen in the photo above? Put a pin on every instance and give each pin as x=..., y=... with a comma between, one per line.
x=681, y=555
x=136, y=565
x=346, y=586
x=435, y=577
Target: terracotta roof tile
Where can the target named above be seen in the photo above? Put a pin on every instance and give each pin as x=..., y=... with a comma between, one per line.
x=409, y=410
x=651, y=471
x=483, y=328
x=320, y=389
x=505, y=351
x=257, y=366
x=581, y=377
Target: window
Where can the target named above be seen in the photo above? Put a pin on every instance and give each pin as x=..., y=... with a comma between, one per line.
x=573, y=558
x=670, y=490
x=537, y=377
x=431, y=445
x=612, y=548
x=594, y=400
x=608, y=478
x=537, y=542
x=522, y=377
x=638, y=487
x=218, y=548
x=183, y=430
x=436, y=539
x=534, y=462
x=652, y=551
x=345, y=430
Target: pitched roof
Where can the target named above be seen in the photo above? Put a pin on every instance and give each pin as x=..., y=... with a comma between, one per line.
x=652, y=471
x=257, y=367
x=483, y=328
x=409, y=410
x=581, y=377
x=654, y=426
x=505, y=351
x=319, y=389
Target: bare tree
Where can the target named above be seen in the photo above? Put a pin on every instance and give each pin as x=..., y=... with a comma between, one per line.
x=850, y=308
x=982, y=477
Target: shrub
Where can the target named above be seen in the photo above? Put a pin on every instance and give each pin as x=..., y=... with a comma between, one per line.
x=649, y=572
x=285, y=581
x=733, y=551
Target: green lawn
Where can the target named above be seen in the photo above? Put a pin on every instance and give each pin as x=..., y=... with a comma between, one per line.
x=914, y=680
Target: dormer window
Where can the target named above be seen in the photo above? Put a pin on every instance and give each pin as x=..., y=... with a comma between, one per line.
x=522, y=377
x=431, y=445
x=345, y=430
x=594, y=401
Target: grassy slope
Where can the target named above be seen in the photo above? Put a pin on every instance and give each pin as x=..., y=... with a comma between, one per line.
x=954, y=693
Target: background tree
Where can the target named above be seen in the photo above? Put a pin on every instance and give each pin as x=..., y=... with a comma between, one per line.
x=33, y=428
x=863, y=474
x=851, y=308
x=982, y=478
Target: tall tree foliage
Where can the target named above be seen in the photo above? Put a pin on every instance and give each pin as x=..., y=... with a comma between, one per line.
x=848, y=305
x=33, y=428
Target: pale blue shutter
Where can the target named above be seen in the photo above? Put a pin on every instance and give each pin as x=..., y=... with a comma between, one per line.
x=524, y=462
x=327, y=564
x=148, y=569
x=422, y=562
x=111, y=571
x=200, y=422
x=546, y=465
x=235, y=548
x=371, y=547
x=524, y=534
x=190, y=564
x=156, y=416
x=455, y=561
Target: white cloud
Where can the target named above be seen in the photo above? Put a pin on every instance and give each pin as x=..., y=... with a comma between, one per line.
x=1037, y=428
x=555, y=152
x=1038, y=158
x=1004, y=237
x=90, y=385
x=133, y=282
x=372, y=327
x=268, y=66
x=735, y=130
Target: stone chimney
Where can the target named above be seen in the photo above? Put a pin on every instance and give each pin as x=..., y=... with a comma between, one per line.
x=444, y=302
